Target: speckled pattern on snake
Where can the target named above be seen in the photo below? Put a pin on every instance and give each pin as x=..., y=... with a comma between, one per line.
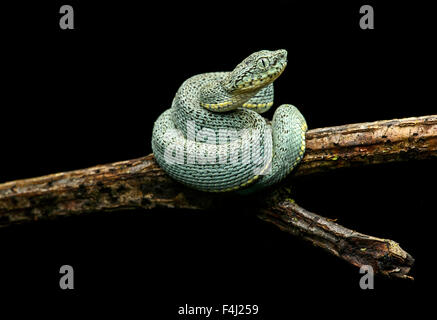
x=213, y=137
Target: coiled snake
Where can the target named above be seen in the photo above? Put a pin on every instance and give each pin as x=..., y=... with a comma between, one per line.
x=213, y=137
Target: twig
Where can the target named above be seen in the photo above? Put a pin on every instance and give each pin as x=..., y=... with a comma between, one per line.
x=384, y=255
x=140, y=183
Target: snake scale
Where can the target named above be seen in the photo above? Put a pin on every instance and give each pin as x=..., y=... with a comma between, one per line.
x=213, y=137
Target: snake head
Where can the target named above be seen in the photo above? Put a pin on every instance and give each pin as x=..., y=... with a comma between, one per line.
x=256, y=71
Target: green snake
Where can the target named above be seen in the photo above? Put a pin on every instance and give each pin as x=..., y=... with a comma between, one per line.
x=213, y=137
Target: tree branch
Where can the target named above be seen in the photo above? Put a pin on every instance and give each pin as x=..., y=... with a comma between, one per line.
x=370, y=143
x=140, y=183
x=384, y=255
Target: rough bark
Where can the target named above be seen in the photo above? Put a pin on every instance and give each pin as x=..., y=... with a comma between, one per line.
x=370, y=143
x=140, y=183
x=384, y=255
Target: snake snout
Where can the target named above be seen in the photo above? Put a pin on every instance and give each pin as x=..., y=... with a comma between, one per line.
x=282, y=54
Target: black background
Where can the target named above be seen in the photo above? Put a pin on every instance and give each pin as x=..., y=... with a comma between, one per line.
x=77, y=98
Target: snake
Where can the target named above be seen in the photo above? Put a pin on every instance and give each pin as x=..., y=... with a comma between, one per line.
x=213, y=138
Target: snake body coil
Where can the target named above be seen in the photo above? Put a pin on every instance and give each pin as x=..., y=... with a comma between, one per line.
x=213, y=137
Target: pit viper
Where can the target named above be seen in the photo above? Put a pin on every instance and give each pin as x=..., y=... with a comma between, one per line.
x=213, y=137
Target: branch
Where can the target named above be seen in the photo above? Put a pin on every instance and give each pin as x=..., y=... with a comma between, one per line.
x=370, y=143
x=384, y=255
x=140, y=183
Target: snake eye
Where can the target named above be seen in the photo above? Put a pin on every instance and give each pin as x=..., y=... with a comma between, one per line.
x=263, y=63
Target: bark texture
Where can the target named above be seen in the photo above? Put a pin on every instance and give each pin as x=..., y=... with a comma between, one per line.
x=384, y=255
x=140, y=183
x=370, y=143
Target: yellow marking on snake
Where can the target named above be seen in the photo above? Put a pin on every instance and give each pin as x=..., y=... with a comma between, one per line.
x=247, y=182
x=259, y=105
x=216, y=106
